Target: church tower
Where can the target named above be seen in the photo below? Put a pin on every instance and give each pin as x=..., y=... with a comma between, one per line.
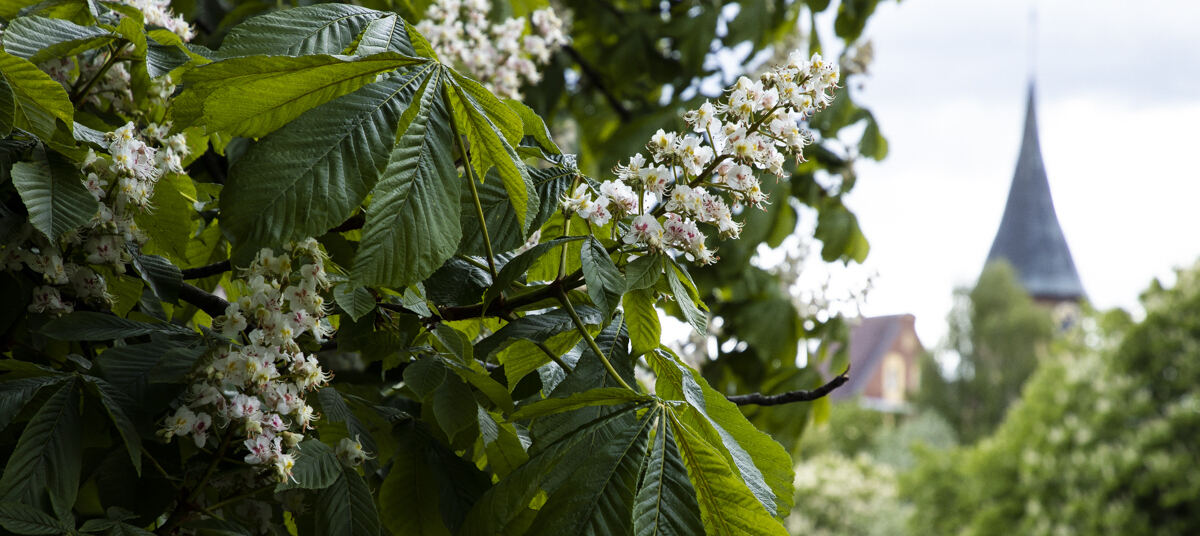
x=1029, y=236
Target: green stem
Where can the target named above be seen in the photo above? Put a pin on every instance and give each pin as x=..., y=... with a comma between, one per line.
x=579, y=325
x=158, y=466
x=79, y=95
x=546, y=349
x=212, y=467
x=487, y=240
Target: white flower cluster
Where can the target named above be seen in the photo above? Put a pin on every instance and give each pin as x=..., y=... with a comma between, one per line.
x=689, y=177
x=123, y=182
x=501, y=56
x=158, y=13
x=259, y=387
x=114, y=87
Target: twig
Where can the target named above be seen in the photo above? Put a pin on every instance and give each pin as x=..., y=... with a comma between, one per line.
x=201, y=272
x=211, y=304
x=598, y=81
x=760, y=399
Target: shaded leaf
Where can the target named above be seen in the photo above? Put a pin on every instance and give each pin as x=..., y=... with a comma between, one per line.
x=53, y=191
x=346, y=507
x=412, y=223
x=604, y=281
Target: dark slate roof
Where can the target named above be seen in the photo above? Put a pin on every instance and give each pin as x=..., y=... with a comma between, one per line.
x=870, y=340
x=1029, y=236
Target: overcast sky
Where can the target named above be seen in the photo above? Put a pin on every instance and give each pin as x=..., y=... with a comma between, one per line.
x=1118, y=88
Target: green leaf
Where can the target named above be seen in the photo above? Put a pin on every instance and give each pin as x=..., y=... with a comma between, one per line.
x=346, y=507
x=600, y=396
x=727, y=507
x=388, y=33
x=533, y=126
x=53, y=191
x=38, y=100
x=840, y=235
x=356, y=301
x=412, y=224
x=873, y=144
x=537, y=328
x=38, y=39
x=316, y=29
x=598, y=496
x=762, y=463
x=252, y=96
x=643, y=272
x=645, y=332
x=491, y=128
x=683, y=296
x=501, y=444
x=93, y=326
x=666, y=500
x=317, y=467
x=169, y=227
x=164, y=54
x=408, y=503
x=163, y=278
x=310, y=175
x=504, y=228
x=604, y=281
x=24, y=519
x=14, y=394
x=499, y=509
x=115, y=401
x=48, y=454
x=519, y=265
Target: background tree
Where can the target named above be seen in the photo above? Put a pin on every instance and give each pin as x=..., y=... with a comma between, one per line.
x=1099, y=443
x=999, y=335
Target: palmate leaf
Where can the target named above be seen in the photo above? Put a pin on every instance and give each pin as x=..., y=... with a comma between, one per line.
x=727, y=507
x=605, y=284
x=310, y=175
x=316, y=29
x=407, y=506
x=317, y=467
x=24, y=519
x=666, y=501
x=502, y=224
x=38, y=39
x=53, y=191
x=115, y=403
x=412, y=223
x=252, y=96
x=346, y=508
x=499, y=509
x=37, y=101
x=762, y=463
x=645, y=331
x=48, y=454
x=15, y=393
x=492, y=129
x=597, y=498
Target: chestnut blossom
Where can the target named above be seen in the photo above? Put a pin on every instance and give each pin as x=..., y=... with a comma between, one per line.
x=258, y=386
x=707, y=175
x=502, y=56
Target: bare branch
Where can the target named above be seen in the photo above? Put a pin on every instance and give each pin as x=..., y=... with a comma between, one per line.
x=760, y=399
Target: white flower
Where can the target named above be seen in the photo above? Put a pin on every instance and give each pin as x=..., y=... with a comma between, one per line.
x=351, y=451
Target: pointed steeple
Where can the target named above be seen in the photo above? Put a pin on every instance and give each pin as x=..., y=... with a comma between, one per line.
x=1030, y=237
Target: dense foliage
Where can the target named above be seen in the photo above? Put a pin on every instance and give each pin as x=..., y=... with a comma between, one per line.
x=310, y=271
x=999, y=335
x=1101, y=442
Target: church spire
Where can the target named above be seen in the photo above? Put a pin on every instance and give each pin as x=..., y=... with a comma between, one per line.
x=1030, y=237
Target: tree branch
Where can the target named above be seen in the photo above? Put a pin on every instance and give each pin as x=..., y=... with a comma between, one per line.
x=760, y=399
x=598, y=81
x=209, y=303
x=200, y=272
